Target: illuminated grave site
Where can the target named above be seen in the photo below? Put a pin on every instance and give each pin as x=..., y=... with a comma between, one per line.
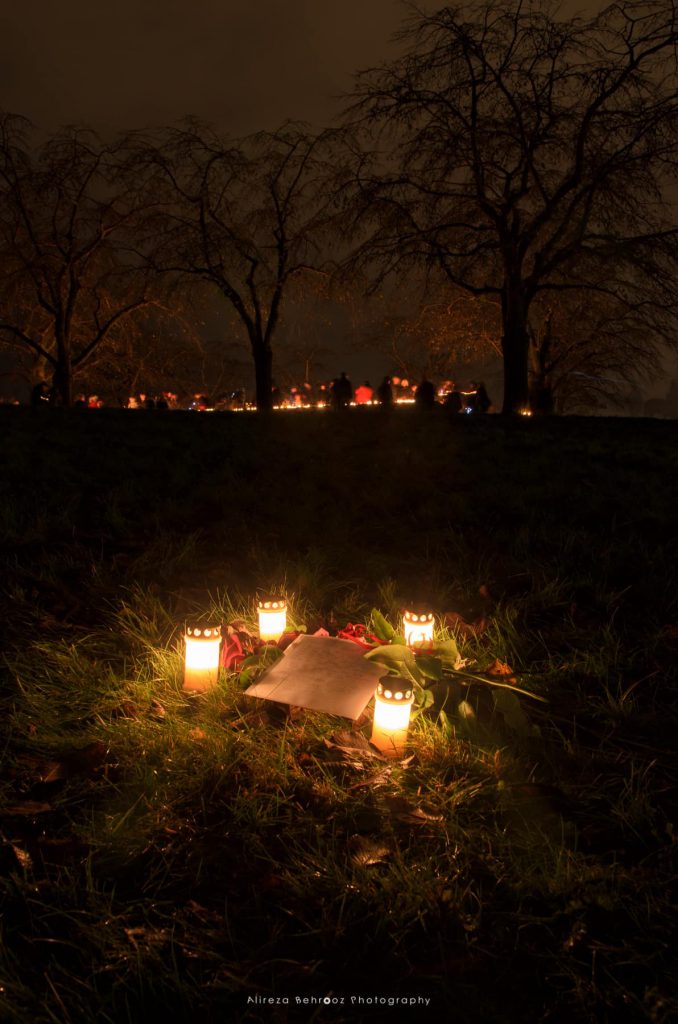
x=366, y=716
x=317, y=695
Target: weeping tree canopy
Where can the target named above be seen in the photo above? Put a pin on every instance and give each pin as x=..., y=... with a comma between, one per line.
x=590, y=350
x=526, y=155
x=248, y=216
x=70, y=282
x=432, y=329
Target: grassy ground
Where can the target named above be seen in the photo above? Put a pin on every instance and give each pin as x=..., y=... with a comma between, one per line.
x=197, y=857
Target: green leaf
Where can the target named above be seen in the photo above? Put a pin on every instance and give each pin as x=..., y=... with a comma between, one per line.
x=424, y=698
x=445, y=723
x=253, y=661
x=271, y=654
x=447, y=693
x=508, y=705
x=494, y=682
x=447, y=652
x=466, y=711
x=397, y=659
x=468, y=725
x=267, y=656
x=431, y=668
x=381, y=628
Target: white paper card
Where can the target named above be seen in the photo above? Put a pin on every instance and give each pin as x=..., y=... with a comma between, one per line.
x=323, y=674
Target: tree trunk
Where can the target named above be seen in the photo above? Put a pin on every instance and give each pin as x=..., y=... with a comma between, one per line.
x=39, y=371
x=62, y=379
x=515, y=347
x=540, y=389
x=263, y=376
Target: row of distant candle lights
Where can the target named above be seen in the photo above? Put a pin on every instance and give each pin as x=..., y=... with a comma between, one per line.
x=392, y=699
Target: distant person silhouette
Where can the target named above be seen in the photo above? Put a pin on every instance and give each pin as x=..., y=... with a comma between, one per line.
x=454, y=403
x=40, y=394
x=385, y=392
x=483, y=402
x=543, y=402
x=425, y=395
x=342, y=392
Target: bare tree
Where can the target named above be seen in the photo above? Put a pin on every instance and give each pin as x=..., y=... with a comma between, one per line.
x=68, y=283
x=164, y=348
x=588, y=351
x=434, y=329
x=517, y=150
x=244, y=215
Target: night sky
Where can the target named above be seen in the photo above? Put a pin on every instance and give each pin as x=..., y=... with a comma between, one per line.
x=241, y=64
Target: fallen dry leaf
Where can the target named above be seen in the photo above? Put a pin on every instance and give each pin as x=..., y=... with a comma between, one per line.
x=294, y=713
x=53, y=772
x=269, y=882
x=354, y=748
x=246, y=720
x=365, y=851
x=147, y=936
x=83, y=761
x=349, y=739
x=500, y=668
x=401, y=808
x=157, y=710
x=204, y=914
x=379, y=778
x=454, y=621
x=27, y=808
x=126, y=709
x=239, y=626
x=23, y=857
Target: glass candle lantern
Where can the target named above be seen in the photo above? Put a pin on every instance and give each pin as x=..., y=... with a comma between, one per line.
x=392, y=705
x=201, y=668
x=272, y=619
x=418, y=628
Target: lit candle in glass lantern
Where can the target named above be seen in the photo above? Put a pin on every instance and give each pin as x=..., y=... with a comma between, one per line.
x=201, y=670
x=272, y=619
x=418, y=628
x=392, y=705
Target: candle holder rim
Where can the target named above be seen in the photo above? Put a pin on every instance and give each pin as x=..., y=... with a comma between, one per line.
x=271, y=604
x=418, y=616
x=385, y=685
x=198, y=632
